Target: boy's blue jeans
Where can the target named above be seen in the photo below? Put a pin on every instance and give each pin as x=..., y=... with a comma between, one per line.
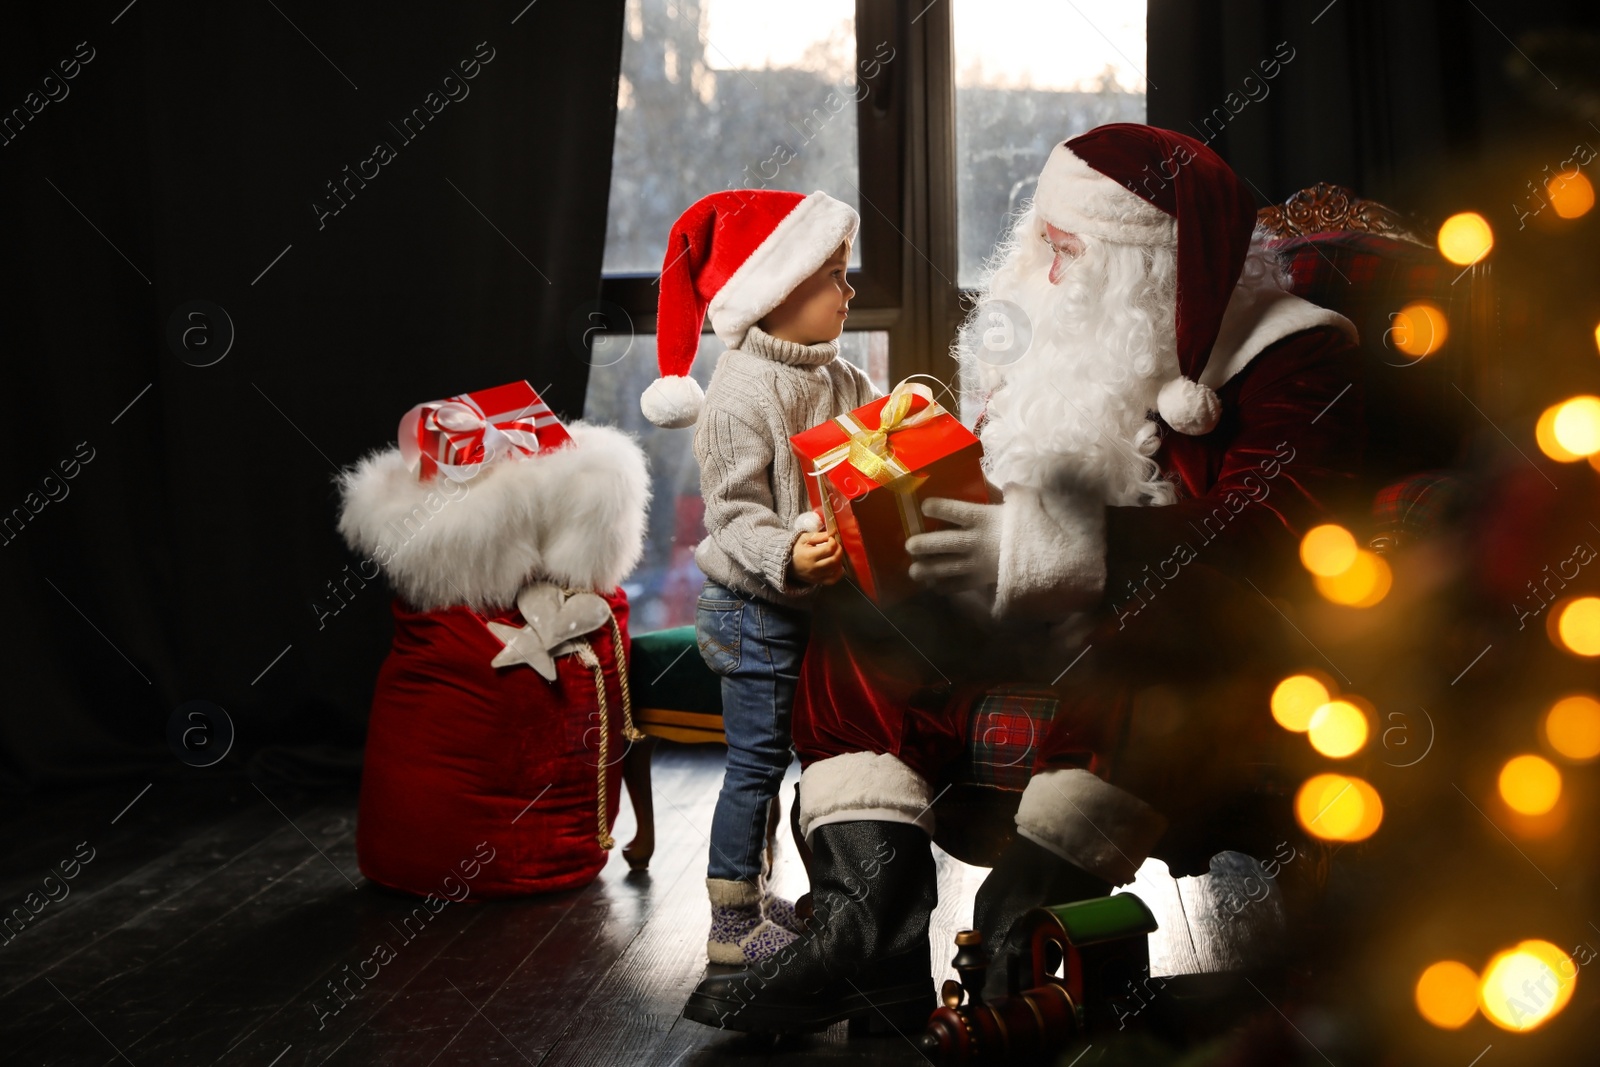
x=756, y=647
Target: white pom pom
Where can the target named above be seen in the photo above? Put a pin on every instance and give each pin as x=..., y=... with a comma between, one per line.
x=673, y=402
x=806, y=522
x=1189, y=407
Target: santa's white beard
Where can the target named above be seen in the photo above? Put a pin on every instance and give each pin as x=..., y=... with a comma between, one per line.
x=1073, y=405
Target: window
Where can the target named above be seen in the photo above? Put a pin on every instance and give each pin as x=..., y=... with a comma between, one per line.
x=931, y=119
x=1018, y=94
x=727, y=94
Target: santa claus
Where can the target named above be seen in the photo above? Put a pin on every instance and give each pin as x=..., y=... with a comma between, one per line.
x=1173, y=424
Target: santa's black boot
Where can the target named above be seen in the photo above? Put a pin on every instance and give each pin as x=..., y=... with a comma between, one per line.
x=1027, y=876
x=865, y=955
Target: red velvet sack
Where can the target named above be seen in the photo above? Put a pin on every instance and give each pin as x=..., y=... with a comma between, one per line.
x=492, y=771
x=485, y=780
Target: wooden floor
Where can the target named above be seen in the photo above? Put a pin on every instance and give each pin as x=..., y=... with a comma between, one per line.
x=212, y=916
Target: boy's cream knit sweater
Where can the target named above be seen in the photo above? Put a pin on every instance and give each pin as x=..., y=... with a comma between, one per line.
x=762, y=393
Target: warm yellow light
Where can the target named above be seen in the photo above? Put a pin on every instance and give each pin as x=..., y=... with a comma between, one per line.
x=1447, y=994
x=1597, y=336
x=1544, y=432
x=1566, y=971
x=1577, y=425
x=1338, y=729
x=1296, y=699
x=1465, y=238
x=1572, y=726
x=1337, y=807
x=1419, y=330
x=1530, y=785
x=1364, y=584
x=1524, y=986
x=1570, y=193
x=1578, y=626
x=1328, y=550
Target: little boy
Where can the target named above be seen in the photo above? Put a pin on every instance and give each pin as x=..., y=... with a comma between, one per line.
x=770, y=267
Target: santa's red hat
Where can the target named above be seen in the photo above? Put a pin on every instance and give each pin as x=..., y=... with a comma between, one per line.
x=1136, y=184
x=738, y=254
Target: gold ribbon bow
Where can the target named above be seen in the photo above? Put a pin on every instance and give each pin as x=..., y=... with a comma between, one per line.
x=868, y=451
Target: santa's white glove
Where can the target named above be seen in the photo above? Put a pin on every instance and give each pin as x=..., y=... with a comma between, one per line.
x=966, y=556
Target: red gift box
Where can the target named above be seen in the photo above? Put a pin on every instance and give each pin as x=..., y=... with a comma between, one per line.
x=459, y=435
x=869, y=471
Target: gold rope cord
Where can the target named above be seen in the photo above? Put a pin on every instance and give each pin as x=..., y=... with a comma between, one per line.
x=586, y=655
x=629, y=731
x=592, y=661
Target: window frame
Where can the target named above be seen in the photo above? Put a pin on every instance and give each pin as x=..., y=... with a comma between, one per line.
x=905, y=129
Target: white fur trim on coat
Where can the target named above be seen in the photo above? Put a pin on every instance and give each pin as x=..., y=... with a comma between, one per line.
x=800, y=243
x=1052, y=551
x=673, y=402
x=861, y=787
x=1087, y=821
x=1075, y=197
x=1257, y=318
x=575, y=516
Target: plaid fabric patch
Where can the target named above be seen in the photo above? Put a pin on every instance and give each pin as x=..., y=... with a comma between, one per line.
x=1366, y=277
x=1004, y=732
x=1413, y=507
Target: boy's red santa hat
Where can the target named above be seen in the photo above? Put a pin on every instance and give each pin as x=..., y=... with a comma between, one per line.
x=738, y=254
x=1135, y=184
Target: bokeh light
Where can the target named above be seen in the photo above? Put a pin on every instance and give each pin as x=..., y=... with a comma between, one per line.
x=1524, y=986
x=1338, y=729
x=1578, y=626
x=1465, y=238
x=1419, y=329
x=1328, y=550
x=1447, y=994
x=1572, y=726
x=1530, y=785
x=1296, y=699
x=1570, y=193
x=1544, y=432
x=1363, y=584
x=1338, y=807
x=1576, y=425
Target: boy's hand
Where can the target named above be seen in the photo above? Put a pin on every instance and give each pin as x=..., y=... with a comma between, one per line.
x=818, y=559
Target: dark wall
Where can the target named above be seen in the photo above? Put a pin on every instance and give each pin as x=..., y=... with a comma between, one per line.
x=176, y=524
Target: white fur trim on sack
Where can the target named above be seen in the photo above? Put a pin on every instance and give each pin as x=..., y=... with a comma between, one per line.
x=1087, y=821
x=1189, y=407
x=673, y=402
x=1052, y=551
x=1075, y=197
x=800, y=243
x=863, y=787
x=575, y=516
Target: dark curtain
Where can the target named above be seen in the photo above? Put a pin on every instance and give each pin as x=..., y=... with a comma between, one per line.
x=176, y=173
x=1402, y=102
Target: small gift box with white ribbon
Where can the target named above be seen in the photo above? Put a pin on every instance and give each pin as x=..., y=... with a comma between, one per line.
x=869, y=471
x=458, y=436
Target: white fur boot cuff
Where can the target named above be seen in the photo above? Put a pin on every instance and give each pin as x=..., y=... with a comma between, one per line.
x=863, y=787
x=1107, y=831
